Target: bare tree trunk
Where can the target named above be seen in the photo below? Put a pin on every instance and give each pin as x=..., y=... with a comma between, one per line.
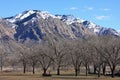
x=113, y=71
x=89, y=69
x=24, y=67
x=58, y=70
x=95, y=69
x=86, y=66
x=44, y=72
x=33, y=68
x=104, y=69
x=1, y=66
x=113, y=74
x=76, y=72
x=99, y=69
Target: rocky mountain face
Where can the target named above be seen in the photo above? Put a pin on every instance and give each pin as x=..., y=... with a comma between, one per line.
x=7, y=41
x=34, y=25
x=6, y=30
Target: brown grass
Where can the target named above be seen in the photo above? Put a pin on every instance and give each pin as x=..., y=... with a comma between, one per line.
x=37, y=76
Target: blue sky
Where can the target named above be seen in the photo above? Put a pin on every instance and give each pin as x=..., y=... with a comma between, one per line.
x=102, y=12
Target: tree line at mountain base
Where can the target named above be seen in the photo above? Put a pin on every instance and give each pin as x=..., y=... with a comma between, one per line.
x=102, y=54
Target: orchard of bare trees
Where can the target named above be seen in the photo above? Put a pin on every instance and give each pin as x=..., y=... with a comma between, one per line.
x=96, y=55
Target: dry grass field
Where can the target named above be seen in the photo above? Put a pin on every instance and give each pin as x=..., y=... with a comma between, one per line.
x=37, y=76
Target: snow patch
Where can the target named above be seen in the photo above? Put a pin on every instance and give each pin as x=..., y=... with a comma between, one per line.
x=25, y=23
x=59, y=17
x=80, y=20
x=18, y=16
x=27, y=14
x=96, y=30
x=69, y=19
x=13, y=26
x=45, y=15
x=11, y=20
x=92, y=25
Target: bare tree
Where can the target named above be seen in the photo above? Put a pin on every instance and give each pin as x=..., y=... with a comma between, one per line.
x=96, y=54
x=75, y=51
x=44, y=58
x=13, y=61
x=86, y=55
x=111, y=52
x=59, y=51
x=4, y=50
x=108, y=49
x=33, y=57
x=22, y=53
x=97, y=59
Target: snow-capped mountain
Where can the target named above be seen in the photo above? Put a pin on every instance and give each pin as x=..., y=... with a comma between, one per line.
x=35, y=24
x=30, y=13
x=97, y=29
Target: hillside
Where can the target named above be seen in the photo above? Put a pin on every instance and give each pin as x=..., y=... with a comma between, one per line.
x=34, y=25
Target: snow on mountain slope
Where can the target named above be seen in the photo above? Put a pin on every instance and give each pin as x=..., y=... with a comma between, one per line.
x=90, y=25
x=62, y=25
x=25, y=14
x=69, y=19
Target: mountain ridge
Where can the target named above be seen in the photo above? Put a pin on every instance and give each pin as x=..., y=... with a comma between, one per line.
x=35, y=24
